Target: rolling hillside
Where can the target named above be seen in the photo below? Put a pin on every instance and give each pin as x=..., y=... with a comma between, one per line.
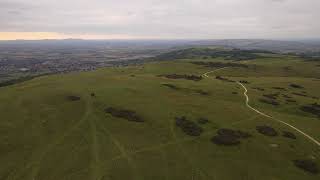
x=183, y=119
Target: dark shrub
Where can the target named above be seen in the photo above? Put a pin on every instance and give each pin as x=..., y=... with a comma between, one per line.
x=235, y=133
x=225, y=140
x=271, y=96
x=258, y=88
x=197, y=91
x=73, y=98
x=299, y=94
x=188, y=127
x=312, y=108
x=171, y=86
x=220, y=65
x=291, y=100
x=286, y=96
x=125, y=114
x=229, y=137
x=203, y=120
x=296, y=86
x=307, y=165
x=201, y=92
x=266, y=130
x=244, y=82
x=224, y=79
x=183, y=76
x=288, y=134
x=279, y=88
x=269, y=101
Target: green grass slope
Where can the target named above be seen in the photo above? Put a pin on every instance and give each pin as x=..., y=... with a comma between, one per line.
x=45, y=136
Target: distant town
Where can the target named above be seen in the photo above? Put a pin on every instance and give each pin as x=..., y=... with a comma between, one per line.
x=33, y=58
x=36, y=59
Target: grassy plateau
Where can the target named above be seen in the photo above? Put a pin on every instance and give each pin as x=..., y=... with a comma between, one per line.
x=157, y=121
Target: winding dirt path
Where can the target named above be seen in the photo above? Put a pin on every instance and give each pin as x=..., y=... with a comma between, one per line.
x=206, y=74
x=263, y=114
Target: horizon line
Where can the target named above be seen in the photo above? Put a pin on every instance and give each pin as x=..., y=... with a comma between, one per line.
x=159, y=39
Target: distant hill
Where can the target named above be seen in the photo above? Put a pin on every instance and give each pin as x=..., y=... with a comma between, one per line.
x=270, y=45
x=245, y=44
x=227, y=54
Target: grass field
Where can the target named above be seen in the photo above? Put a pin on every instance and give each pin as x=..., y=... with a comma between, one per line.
x=46, y=136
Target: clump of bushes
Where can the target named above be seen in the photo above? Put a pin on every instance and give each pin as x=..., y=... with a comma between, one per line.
x=182, y=76
x=289, y=135
x=171, y=86
x=197, y=91
x=124, y=114
x=290, y=101
x=201, y=92
x=271, y=96
x=286, y=96
x=244, y=82
x=307, y=165
x=224, y=79
x=220, y=65
x=299, y=94
x=188, y=127
x=267, y=130
x=279, y=88
x=259, y=89
x=269, y=101
x=229, y=137
x=73, y=98
x=296, y=86
x=312, y=108
x=203, y=120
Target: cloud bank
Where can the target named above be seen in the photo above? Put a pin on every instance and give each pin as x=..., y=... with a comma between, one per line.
x=192, y=19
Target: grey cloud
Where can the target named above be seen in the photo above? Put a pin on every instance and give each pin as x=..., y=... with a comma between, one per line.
x=165, y=18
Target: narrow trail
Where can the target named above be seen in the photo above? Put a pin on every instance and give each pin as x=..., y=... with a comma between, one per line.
x=122, y=150
x=95, y=152
x=263, y=114
x=206, y=74
x=33, y=165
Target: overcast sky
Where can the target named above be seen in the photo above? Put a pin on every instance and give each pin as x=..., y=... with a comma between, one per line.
x=168, y=19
